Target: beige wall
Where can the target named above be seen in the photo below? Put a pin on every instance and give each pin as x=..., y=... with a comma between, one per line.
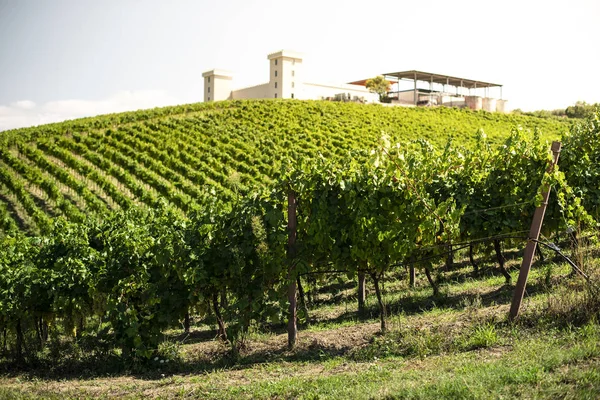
x=502, y=106
x=306, y=91
x=217, y=85
x=253, y=92
x=285, y=75
x=489, y=104
x=407, y=97
x=474, y=102
x=317, y=91
x=452, y=101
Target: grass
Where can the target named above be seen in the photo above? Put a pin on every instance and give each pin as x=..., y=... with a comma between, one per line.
x=567, y=365
x=455, y=345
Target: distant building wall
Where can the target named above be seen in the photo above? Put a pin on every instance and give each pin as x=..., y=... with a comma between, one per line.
x=285, y=74
x=502, y=106
x=489, y=104
x=474, y=102
x=407, y=96
x=285, y=82
x=253, y=92
x=317, y=91
x=217, y=85
x=452, y=101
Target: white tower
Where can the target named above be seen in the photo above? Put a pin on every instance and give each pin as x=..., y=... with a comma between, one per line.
x=285, y=75
x=217, y=85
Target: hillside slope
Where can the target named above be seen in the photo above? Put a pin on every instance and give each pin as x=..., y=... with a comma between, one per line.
x=95, y=165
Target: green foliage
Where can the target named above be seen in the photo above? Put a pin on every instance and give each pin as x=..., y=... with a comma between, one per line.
x=210, y=229
x=241, y=252
x=580, y=162
x=484, y=335
x=581, y=109
x=168, y=351
x=141, y=277
x=379, y=85
x=97, y=165
x=556, y=113
x=420, y=343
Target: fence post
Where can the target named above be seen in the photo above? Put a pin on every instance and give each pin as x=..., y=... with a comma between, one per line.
x=291, y=252
x=534, y=234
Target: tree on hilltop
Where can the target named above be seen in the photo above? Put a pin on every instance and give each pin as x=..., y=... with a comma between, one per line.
x=379, y=85
x=581, y=109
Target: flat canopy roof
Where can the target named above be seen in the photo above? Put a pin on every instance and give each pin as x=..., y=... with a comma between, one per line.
x=441, y=79
x=362, y=82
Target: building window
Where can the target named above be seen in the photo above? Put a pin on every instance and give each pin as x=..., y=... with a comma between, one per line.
x=293, y=62
x=293, y=84
x=209, y=79
x=209, y=89
x=275, y=95
x=208, y=98
x=292, y=95
x=275, y=61
x=275, y=72
x=275, y=85
x=293, y=73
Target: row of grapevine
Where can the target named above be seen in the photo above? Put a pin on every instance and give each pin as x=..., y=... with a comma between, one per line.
x=7, y=224
x=16, y=185
x=135, y=273
x=148, y=197
x=15, y=136
x=93, y=202
x=62, y=153
x=581, y=160
x=189, y=151
x=48, y=185
x=165, y=180
x=138, y=171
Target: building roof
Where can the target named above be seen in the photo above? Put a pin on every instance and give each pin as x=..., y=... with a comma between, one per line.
x=439, y=78
x=285, y=53
x=219, y=73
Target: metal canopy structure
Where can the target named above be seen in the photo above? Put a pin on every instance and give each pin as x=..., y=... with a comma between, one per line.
x=440, y=79
x=464, y=95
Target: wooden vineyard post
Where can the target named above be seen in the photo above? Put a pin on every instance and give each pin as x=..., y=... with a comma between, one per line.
x=534, y=234
x=291, y=252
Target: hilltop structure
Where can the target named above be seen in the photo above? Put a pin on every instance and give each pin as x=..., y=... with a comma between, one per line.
x=418, y=88
x=286, y=82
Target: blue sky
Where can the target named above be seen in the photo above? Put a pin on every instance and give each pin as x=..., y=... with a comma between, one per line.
x=65, y=59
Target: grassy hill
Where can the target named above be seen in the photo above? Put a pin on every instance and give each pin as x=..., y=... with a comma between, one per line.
x=181, y=153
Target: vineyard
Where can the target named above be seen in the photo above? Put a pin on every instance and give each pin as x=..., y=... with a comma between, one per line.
x=184, y=154
x=119, y=230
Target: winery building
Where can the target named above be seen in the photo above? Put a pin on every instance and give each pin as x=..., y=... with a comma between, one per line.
x=408, y=88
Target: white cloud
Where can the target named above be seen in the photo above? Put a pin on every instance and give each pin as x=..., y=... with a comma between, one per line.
x=26, y=113
x=24, y=104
